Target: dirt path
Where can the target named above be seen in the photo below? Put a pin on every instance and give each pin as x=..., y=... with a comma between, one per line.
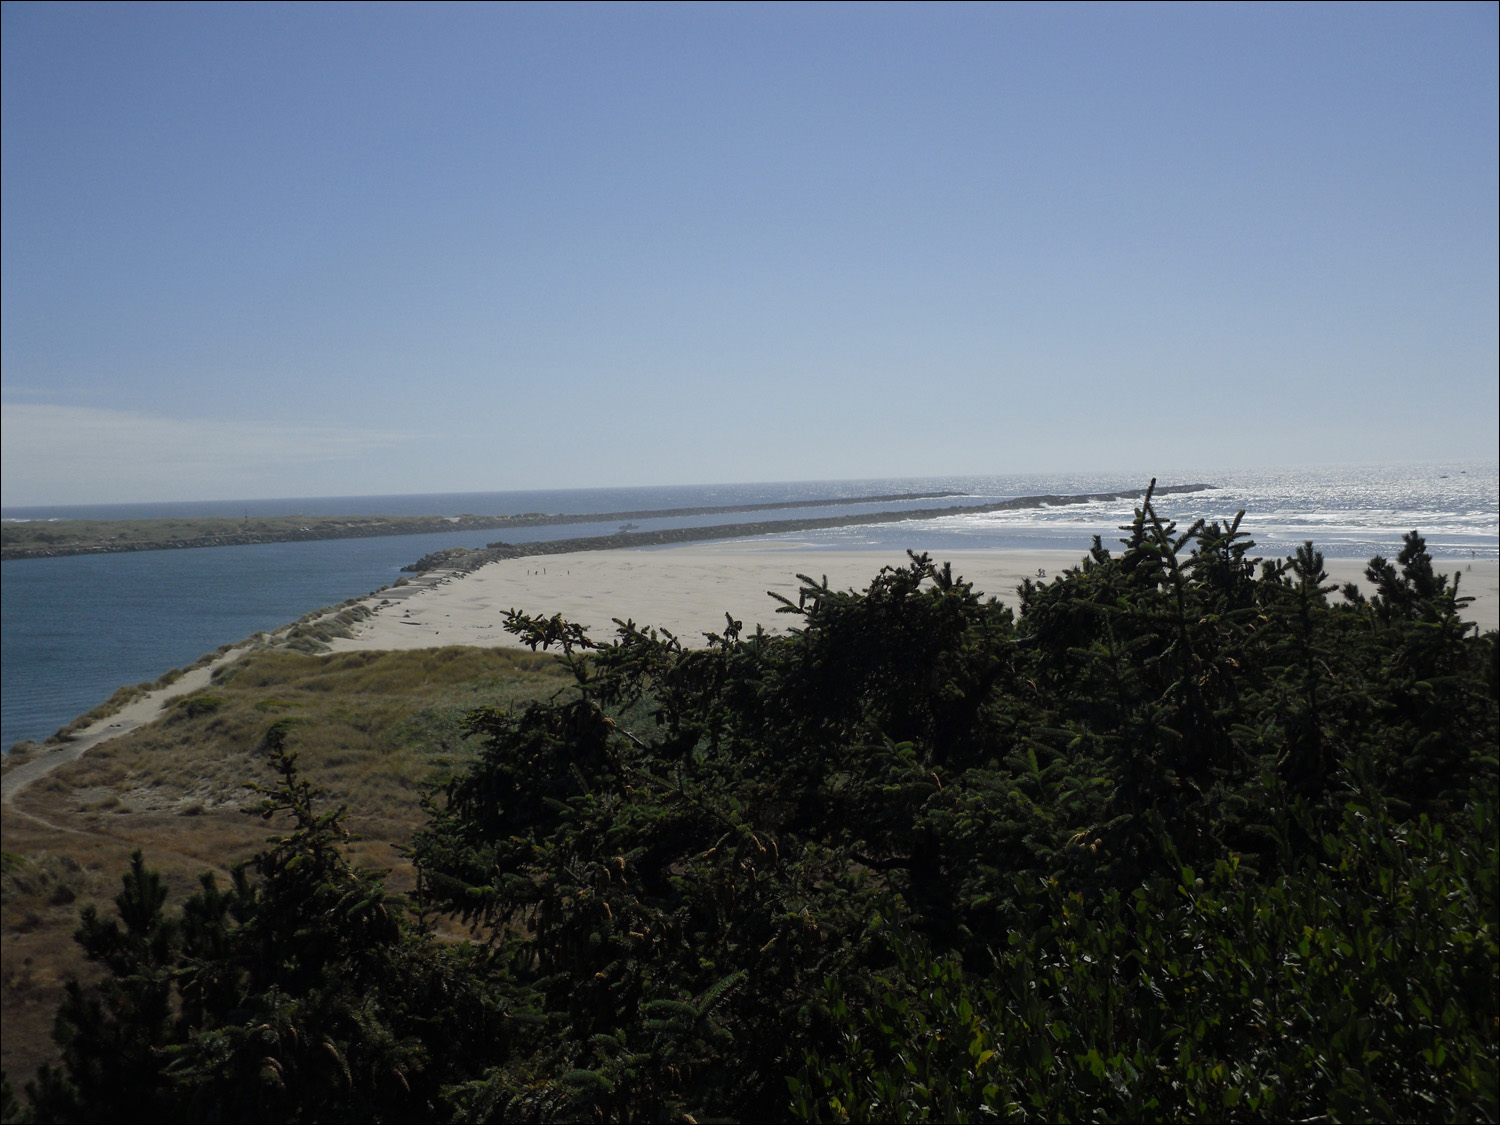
x=137, y=713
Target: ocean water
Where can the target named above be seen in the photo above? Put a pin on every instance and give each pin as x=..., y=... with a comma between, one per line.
x=1347, y=511
x=74, y=629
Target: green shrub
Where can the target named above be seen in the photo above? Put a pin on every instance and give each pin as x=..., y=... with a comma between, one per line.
x=195, y=706
x=1359, y=983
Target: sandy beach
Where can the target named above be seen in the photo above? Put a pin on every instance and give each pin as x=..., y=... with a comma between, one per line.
x=687, y=590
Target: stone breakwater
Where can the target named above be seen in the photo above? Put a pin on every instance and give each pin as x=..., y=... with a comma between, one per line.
x=464, y=560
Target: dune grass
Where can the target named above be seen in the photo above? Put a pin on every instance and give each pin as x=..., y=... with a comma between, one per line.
x=123, y=696
x=371, y=728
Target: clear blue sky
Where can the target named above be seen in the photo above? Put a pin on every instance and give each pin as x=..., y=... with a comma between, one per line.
x=299, y=250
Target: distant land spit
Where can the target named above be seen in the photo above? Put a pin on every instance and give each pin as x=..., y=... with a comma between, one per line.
x=43, y=539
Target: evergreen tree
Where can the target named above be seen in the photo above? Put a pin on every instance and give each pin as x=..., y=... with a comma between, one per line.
x=301, y=993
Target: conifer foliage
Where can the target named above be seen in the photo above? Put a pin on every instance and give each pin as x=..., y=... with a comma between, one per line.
x=1188, y=837
x=300, y=993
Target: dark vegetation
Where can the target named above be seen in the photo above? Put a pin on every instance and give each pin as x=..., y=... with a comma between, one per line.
x=369, y=726
x=1188, y=839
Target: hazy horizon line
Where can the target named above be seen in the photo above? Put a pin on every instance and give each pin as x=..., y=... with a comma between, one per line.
x=6, y=509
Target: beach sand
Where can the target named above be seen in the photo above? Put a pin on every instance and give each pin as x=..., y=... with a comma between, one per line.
x=687, y=590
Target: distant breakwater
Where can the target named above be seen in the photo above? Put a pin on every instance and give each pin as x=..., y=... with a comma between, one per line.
x=464, y=559
x=61, y=538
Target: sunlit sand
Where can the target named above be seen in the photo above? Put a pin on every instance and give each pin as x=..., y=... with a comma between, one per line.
x=688, y=590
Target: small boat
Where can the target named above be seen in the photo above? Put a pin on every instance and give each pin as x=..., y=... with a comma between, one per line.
x=624, y=527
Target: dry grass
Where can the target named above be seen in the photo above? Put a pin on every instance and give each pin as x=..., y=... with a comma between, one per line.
x=371, y=728
x=131, y=692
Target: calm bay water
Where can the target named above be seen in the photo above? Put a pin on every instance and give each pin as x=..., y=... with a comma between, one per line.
x=74, y=629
